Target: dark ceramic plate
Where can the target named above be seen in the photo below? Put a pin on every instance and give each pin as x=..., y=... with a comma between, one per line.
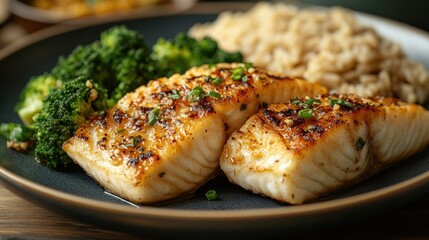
x=237, y=212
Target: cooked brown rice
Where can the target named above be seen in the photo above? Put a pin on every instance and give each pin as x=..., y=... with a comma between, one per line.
x=330, y=47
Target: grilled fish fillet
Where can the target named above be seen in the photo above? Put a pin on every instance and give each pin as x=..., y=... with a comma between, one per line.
x=164, y=140
x=295, y=155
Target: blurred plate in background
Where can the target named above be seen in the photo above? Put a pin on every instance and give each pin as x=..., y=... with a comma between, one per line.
x=4, y=11
x=38, y=14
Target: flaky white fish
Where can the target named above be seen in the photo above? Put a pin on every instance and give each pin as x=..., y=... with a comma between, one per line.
x=164, y=140
x=309, y=147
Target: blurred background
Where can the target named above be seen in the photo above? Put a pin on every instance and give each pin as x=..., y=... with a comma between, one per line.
x=19, y=18
x=412, y=12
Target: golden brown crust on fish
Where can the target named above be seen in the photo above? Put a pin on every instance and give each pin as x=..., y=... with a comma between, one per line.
x=308, y=147
x=163, y=140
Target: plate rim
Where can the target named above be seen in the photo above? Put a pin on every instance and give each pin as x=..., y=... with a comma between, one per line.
x=19, y=185
x=161, y=222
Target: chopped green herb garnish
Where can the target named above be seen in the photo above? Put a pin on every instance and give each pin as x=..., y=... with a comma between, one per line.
x=134, y=143
x=305, y=113
x=340, y=102
x=120, y=130
x=296, y=101
x=213, y=94
x=135, y=140
x=174, y=95
x=198, y=88
x=211, y=195
x=237, y=74
x=196, y=94
x=215, y=81
x=154, y=116
x=309, y=102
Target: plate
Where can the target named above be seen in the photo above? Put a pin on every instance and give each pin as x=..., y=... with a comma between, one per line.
x=74, y=194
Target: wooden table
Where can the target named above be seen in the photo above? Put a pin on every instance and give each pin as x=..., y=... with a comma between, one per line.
x=20, y=219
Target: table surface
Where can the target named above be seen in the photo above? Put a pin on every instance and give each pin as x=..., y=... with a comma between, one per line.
x=21, y=219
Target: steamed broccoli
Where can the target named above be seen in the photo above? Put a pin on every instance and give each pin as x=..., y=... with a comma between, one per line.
x=18, y=136
x=116, y=42
x=84, y=61
x=64, y=109
x=130, y=73
x=54, y=104
x=127, y=54
x=31, y=97
x=119, y=61
x=16, y=132
x=183, y=52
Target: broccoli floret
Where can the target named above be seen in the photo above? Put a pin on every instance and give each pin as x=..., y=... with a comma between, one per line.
x=54, y=104
x=120, y=62
x=183, y=52
x=18, y=136
x=131, y=73
x=84, y=61
x=64, y=109
x=128, y=56
x=170, y=58
x=31, y=97
x=17, y=132
x=116, y=42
